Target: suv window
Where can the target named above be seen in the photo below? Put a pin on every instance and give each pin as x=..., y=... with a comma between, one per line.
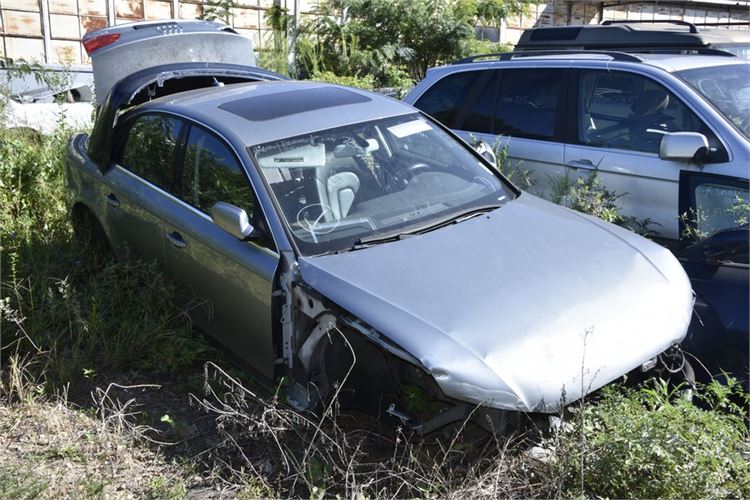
x=442, y=100
x=719, y=206
x=150, y=149
x=212, y=173
x=629, y=111
x=527, y=102
x=478, y=114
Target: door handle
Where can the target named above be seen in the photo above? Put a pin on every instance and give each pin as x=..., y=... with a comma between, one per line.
x=581, y=164
x=112, y=200
x=176, y=240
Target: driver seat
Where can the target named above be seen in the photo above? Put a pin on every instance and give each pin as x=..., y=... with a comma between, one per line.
x=336, y=188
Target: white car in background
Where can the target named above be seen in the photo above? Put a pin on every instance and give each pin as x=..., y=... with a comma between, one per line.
x=29, y=102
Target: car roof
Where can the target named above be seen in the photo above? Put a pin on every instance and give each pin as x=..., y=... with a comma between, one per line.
x=261, y=112
x=609, y=59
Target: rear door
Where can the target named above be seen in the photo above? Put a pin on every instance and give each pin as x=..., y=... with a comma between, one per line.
x=620, y=118
x=227, y=282
x=515, y=110
x=139, y=183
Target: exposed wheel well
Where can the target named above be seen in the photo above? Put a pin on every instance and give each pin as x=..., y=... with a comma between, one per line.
x=88, y=230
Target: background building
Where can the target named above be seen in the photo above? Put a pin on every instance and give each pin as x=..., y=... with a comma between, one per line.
x=716, y=13
x=50, y=30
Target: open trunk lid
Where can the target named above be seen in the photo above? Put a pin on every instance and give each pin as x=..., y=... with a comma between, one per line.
x=120, y=51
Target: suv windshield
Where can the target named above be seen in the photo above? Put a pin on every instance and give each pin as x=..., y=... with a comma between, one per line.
x=738, y=49
x=727, y=88
x=352, y=185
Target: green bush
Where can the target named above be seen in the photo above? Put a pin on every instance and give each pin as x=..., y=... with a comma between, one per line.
x=654, y=443
x=589, y=196
x=366, y=82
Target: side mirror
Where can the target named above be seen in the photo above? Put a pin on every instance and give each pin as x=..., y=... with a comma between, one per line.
x=232, y=220
x=486, y=151
x=683, y=146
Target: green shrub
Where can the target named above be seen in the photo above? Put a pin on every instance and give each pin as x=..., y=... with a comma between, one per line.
x=366, y=82
x=589, y=196
x=653, y=443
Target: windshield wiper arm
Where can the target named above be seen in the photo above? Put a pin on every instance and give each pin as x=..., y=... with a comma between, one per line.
x=452, y=218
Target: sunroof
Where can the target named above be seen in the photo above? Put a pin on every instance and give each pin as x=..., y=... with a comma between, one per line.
x=270, y=106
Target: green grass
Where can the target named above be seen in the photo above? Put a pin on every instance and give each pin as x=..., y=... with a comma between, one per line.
x=654, y=443
x=81, y=313
x=18, y=483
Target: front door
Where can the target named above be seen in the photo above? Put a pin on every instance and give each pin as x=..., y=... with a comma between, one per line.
x=228, y=282
x=621, y=119
x=712, y=202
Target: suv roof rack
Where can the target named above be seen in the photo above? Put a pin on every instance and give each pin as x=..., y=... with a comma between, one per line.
x=634, y=36
x=507, y=56
x=691, y=26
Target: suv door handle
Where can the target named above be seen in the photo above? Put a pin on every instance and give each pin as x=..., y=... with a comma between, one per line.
x=582, y=164
x=112, y=200
x=176, y=240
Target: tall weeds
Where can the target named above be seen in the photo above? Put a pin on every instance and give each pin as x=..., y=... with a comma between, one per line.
x=77, y=314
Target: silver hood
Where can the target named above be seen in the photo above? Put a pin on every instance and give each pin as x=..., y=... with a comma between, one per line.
x=528, y=308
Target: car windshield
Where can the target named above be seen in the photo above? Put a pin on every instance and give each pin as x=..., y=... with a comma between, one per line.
x=340, y=188
x=727, y=88
x=738, y=49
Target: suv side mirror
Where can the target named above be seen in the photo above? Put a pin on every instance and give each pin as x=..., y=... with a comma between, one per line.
x=232, y=219
x=486, y=151
x=683, y=146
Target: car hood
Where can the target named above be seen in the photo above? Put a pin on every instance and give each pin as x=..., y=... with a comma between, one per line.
x=527, y=308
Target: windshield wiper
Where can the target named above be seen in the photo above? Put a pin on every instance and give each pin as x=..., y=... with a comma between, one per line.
x=452, y=218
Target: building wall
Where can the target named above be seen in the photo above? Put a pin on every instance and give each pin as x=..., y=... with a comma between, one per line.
x=51, y=30
x=565, y=12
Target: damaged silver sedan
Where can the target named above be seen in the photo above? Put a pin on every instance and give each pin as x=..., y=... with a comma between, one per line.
x=351, y=244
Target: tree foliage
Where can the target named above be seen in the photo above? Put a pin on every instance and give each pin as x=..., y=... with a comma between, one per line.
x=386, y=38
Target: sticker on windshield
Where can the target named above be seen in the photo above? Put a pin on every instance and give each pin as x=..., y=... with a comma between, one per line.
x=405, y=129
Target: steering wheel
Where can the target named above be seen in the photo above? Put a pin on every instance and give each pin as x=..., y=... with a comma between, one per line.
x=416, y=169
x=312, y=226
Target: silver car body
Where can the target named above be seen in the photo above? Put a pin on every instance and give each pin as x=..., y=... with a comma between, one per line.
x=528, y=307
x=650, y=185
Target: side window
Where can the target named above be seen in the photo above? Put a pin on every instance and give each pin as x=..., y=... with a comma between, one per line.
x=150, y=149
x=711, y=203
x=718, y=206
x=442, y=100
x=212, y=173
x=527, y=103
x=628, y=111
x=478, y=114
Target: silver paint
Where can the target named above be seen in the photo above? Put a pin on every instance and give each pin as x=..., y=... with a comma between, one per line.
x=528, y=308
